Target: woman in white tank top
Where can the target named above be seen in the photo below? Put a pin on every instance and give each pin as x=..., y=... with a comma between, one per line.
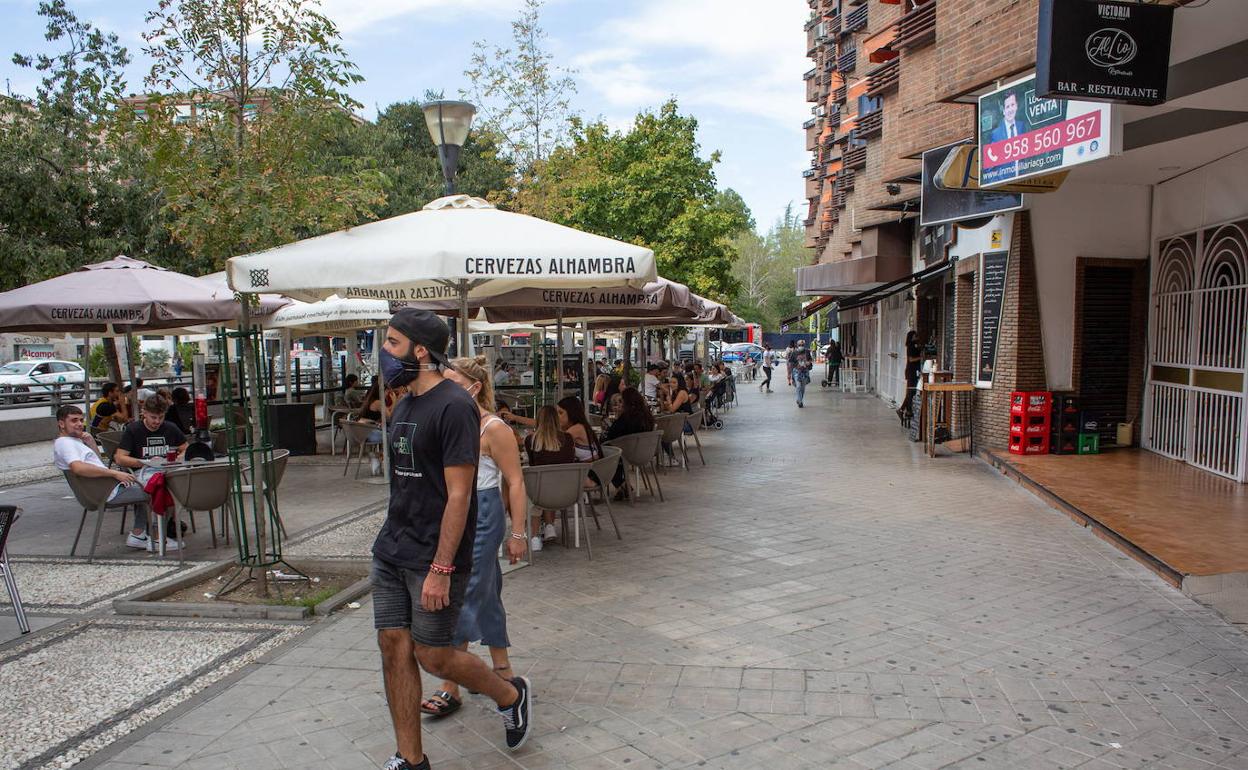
x=482, y=617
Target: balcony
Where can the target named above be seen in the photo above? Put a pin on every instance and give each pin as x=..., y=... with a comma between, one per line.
x=810, y=73
x=917, y=28
x=848, y=60
x=810, y=123
x=808, y=173
x=871, y=124
x=883, y=79
x=856, y=157
x=855, y=21
x=840, y=94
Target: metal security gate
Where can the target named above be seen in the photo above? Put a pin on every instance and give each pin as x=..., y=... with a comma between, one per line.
x=1197, y=348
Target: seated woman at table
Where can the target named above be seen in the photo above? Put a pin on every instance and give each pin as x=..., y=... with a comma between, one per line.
x=600, y=392
x=180, y=412
x=370, y=412
x=677, y=398
x=573, y=420
x=634, y=417
x=548, y=444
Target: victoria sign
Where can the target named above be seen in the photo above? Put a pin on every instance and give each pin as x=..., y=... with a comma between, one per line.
x=1022, y=134
x=1104, y=51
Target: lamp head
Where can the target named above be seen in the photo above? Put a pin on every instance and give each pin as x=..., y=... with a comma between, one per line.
x=448, y=121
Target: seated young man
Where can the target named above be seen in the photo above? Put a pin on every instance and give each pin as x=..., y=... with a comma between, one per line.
x=148, y=437
x=76, y=452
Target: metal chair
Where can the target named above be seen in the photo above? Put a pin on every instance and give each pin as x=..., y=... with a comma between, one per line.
x=92, y=494
x=558, y=488
x=108, y=440
x=694, y=423
x=201, y=488
x=273, y=471
x=221, y=440
x=639, y=452
x=8, y=515
x=673, y=428
x=358, y=433
x=604, y=470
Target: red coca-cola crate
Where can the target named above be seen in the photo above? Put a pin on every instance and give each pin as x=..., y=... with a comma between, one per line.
x=1029, y=445
x=1039, y=402
x=1018, y=402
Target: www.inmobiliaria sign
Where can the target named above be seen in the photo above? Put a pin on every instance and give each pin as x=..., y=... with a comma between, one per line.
x=1022, y=135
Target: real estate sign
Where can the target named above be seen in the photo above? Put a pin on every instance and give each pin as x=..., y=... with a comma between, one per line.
x=1022, y=134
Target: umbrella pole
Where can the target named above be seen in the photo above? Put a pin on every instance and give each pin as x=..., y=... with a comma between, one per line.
x=559, y=354
x=286, y=343
x=588, y=375
x=134, y=392
x=464, y=334
x=86, y=378
x=381, y=393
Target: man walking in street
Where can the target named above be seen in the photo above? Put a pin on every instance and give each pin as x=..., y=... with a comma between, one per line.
x=769, y=364
x=788, y=361
x=801, y=363
x=422, y=558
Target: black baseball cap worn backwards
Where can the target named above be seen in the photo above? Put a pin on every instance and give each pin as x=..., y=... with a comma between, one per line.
x=423, y=327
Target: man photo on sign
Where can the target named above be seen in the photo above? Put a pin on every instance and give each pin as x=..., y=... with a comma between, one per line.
x=422, y=557
x=1009, y=126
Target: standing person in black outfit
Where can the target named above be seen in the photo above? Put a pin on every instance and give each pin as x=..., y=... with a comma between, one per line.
x=914, y=363
x=422, y=558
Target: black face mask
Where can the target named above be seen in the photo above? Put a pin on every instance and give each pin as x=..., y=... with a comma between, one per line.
x=398, y=372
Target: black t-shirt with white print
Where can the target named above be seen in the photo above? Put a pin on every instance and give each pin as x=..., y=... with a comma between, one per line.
x=145, y=444
x=428, y=433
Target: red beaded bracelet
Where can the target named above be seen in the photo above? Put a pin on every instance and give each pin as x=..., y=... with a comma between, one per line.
x=441, y=569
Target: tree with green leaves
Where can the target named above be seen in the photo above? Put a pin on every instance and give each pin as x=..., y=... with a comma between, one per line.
x=69, y=195
x=648, y=186
x=764, y=267
x=255, y=93
x=522, y=96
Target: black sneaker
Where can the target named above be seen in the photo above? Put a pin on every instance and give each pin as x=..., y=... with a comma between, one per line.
x=397, y=762
x=518, y=717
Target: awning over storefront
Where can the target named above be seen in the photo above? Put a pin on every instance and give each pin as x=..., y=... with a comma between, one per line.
x=810, y=309
x=893, y=287
x=829, y=277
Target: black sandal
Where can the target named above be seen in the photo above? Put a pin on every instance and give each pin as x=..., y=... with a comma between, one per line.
x=450, y=704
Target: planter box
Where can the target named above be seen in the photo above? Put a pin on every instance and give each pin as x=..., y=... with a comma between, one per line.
x=147, y=602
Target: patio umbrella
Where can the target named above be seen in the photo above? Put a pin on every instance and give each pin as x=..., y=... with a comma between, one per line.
x=454, y=250
x=122, y=296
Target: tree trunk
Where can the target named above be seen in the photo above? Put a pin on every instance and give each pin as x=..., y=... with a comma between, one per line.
x=112, y=359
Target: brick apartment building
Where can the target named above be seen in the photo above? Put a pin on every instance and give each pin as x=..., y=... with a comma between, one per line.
x=1127, y=286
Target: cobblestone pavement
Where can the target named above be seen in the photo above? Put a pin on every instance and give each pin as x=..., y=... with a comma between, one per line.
x=821, y=595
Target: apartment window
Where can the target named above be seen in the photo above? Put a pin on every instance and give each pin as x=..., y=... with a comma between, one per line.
x=182, y=114
x=854, y=141
x=867, y=104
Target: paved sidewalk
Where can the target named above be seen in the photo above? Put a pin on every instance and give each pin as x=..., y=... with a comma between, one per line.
x=821, y=595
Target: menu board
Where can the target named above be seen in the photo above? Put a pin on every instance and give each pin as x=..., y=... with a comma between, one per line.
x=993, y=267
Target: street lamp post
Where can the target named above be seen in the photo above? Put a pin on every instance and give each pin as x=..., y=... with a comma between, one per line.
x=448, y=123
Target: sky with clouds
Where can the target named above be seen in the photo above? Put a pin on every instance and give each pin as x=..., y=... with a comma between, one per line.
x=734, y=64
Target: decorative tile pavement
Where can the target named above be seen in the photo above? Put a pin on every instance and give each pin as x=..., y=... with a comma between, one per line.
x=820, y=595
x=69, y=693
x=73, y=586
x=346, y=537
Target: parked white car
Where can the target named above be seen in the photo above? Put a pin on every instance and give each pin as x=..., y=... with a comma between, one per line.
x=22, y=381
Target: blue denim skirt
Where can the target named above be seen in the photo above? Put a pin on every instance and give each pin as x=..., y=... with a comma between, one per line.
x=482, y=618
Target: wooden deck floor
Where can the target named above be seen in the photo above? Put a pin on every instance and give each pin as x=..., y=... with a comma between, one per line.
x=1193, y=522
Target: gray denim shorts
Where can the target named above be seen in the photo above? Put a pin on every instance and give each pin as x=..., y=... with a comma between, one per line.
x=396, y=604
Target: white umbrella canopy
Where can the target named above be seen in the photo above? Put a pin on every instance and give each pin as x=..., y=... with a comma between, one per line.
x=332, y=316
x=455, y=246
x=455, y=250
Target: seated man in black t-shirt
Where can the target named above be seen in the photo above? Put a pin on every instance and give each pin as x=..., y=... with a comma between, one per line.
x=150, y=436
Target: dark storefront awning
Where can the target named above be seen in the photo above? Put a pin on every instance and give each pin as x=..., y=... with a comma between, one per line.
x=807, y=312
x=893, y=287
x=828, y=277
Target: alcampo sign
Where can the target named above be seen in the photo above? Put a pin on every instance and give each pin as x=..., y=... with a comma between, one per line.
x=1104, y=51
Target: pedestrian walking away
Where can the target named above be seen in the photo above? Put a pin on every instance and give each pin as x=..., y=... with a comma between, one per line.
x=788, y=361
x=423, y=555
x=834, y=357
x=802, y=363
x=483, y=618
x=769, y=364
